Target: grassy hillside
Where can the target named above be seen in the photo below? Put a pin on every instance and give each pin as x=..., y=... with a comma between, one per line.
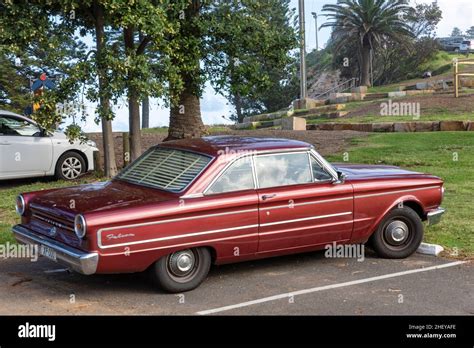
x=449, y=155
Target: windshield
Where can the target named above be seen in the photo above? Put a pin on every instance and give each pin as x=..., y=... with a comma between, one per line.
x=163, y=168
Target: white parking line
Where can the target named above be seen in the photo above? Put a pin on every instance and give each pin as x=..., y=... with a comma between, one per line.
x=327, y=287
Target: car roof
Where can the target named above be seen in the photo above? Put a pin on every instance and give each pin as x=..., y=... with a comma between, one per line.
x=232, y=144
x=9, y=113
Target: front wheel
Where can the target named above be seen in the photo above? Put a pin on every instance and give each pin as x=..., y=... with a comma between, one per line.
x=183, y=270
x=399, y=234
x=70, y=166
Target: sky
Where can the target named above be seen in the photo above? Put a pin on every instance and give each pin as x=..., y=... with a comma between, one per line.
x=459, y=13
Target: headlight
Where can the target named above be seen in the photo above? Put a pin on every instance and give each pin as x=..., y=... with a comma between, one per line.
x=80, y=226
x=20, y=205
x=442, y=193
x=91, y=143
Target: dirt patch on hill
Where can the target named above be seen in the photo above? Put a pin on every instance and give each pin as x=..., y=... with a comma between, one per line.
x=437, y=103
x=325, y=142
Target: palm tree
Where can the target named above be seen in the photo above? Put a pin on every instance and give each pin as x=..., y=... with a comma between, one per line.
x=372, y=23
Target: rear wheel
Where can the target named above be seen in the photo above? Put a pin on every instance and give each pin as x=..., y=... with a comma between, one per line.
x=183, y=270
x=399, y=234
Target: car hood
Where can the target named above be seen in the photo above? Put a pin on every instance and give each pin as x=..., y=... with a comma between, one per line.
x=367, y=171
x=99, y=197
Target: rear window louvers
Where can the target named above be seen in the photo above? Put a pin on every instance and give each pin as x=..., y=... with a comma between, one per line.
x=167, y=169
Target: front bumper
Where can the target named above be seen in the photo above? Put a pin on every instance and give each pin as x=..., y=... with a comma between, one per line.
x=79, y=261
x=434, y=216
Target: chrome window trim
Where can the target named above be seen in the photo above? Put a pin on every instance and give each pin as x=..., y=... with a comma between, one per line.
x=254, y=169
x=283, y=153
x=310, y=166
x=254, y=173
x=222, y=172
x=324, y=164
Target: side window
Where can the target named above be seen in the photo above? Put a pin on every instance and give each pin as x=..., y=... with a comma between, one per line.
x=318, y=172
x=283, y=169
x=17, y=127
x=237, y=177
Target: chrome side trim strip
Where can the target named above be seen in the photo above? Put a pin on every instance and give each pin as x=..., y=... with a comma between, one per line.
x=176, y=220
x=398, y=191
x=305, y=219
x=307, y=203
x=99, y=240
x=307, y=227
x=185, y=244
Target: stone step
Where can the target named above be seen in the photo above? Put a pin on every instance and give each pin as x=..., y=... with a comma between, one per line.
x=374, y=96
x=265, y=117
x=299, y=113
x=336, y=114
x=319, y=110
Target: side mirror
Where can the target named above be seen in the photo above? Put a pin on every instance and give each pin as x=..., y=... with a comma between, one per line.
x=43, y=132
x=341, y=178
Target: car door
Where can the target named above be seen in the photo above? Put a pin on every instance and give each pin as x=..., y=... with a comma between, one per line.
x=23, y=149
x=233, y=203
x=299, y=203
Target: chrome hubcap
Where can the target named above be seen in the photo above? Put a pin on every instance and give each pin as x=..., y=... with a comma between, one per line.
x=397, y=232
x=71, y=168
x=181, y=263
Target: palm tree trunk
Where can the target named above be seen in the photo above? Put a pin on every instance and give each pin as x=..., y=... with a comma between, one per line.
x=110, y=166
x=185, y=117
x=365, y=65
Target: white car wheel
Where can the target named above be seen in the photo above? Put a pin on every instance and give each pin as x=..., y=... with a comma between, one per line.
x=70, y=166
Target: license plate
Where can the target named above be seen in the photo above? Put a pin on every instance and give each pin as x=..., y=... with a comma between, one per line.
x=48, y=252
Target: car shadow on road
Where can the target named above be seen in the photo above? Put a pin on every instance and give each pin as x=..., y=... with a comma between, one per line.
x=142, y=283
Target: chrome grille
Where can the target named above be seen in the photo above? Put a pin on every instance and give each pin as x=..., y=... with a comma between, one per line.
x=45, y=221
x=52, y=222
x=167, y=169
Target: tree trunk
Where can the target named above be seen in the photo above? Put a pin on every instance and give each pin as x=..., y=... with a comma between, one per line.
x=238, y=107
x=365, y=65
x=185, y=118
x=110, y=165
x=133, y=104
x=146, y=113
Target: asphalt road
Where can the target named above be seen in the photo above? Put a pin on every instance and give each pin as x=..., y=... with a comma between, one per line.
x=307, y=284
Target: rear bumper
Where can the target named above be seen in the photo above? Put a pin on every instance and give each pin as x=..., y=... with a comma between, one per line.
x=434, y=216
x=77, y=260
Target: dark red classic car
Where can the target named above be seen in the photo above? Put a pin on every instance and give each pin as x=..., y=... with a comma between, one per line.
x=184, y=205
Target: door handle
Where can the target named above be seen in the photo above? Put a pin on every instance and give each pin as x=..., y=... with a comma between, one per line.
x=269, y=196
x=5, y=143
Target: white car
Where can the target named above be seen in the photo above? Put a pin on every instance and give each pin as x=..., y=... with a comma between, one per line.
x=26, y=150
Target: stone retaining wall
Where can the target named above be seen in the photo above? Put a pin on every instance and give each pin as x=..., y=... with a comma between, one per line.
x=397, y=126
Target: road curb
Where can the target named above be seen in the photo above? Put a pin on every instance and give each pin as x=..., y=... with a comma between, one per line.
x=429, y=249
